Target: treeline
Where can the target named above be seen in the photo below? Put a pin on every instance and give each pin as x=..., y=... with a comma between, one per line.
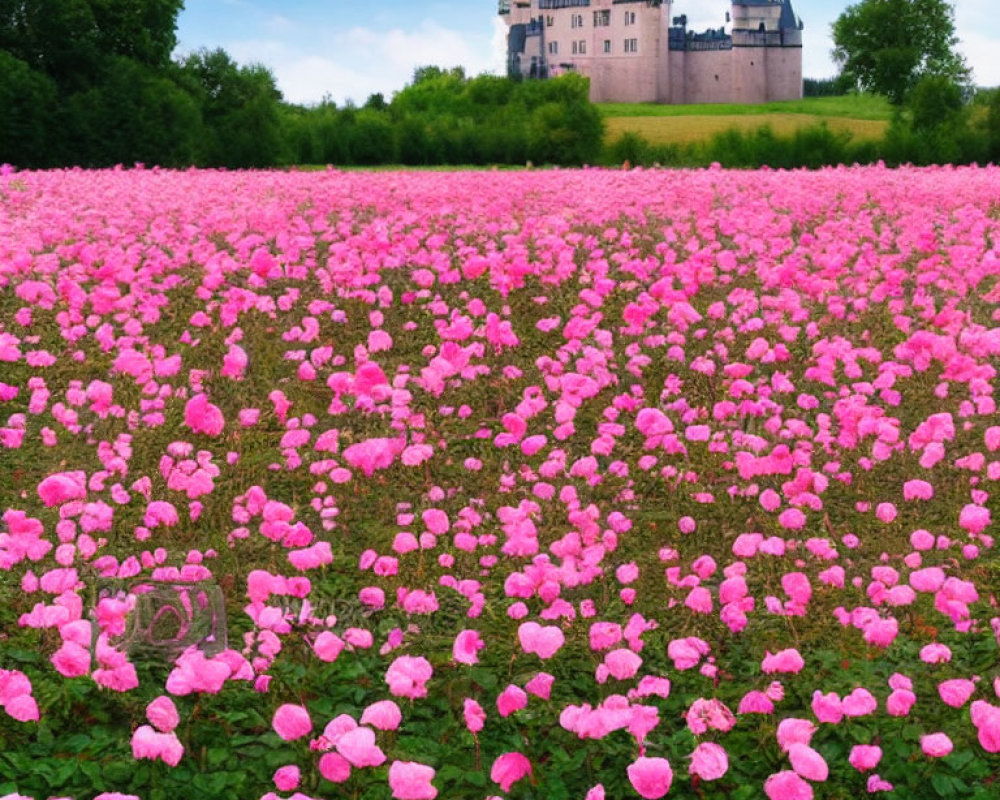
x=443, y=117
x=92, y=83
x=938, y=125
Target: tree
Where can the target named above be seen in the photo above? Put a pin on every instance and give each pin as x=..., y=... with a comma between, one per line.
x=240, y=108
x=934, y=102
x=27, y=98
x=135, y=113
x=69, y=40
x=887, y=46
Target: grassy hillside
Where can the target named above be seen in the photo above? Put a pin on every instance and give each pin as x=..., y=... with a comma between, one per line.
x=865, y=117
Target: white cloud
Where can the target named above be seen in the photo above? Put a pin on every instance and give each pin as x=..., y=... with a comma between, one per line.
x=975, y=23
x=355, y=63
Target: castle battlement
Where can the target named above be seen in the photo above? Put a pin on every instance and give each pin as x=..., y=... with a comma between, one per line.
x=637, y=51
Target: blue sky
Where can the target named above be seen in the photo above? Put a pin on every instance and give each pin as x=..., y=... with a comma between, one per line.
x=349, y=49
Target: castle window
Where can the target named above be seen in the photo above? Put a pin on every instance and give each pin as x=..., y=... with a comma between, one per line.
x=576, y=21
x=553, y=48
x=549, y=20
x=602, y=18
x=575, y=48
x=607, y=45
x=630, y=18
x=631, y=45
x=583, y=47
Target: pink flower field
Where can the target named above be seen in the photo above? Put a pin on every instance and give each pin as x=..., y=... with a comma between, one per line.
x=565, y=484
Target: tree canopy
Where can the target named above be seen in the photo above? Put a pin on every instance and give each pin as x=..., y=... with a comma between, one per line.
x=887, y=46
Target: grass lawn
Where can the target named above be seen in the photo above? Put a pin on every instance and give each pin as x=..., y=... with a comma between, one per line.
x=870, y=107
x=864, y=116
x=690, y=129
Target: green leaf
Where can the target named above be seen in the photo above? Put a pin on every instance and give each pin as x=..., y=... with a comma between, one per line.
x=475, y=779
x=116, y=772
x=941, y=784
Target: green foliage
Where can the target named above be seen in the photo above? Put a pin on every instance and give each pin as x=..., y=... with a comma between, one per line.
x=993, y=124
x=934, y=102
x=240, y=109
x=134, y=115
x=886, y=46
x=443, y=117
x=825, y=87
x=89, y=82
x=27, y=98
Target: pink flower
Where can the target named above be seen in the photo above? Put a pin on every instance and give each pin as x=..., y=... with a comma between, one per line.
x=203, y=417
x=986, y=719
x=796, y=586
x=540, y=685
x=917, y=490
x=508, y=769
x=543, y=641
x=650, y=777
x=859, y=703
x=794, y=731
x=886, y=512
x=511, y=699
x=162, y=713
x=784, y=661
x=359, y=748
x=709, y=761
x=882, y=632
x=160, y=512
x=474, y=715
x=407, y=676
x=686, y=653
x=287, y=778
x=622, y=664
x=334, y=767
x=327, y=646
x=291, y=722
x=827, y=707
x=792, y=519
x=864, y=757
x=956, y=692
x=936, y=745
x=899, y=702
x=876, y=784
x=935, y=653
x=62, y=487
x=709, y=713
x=807, y=762
x=787, y=785
x=411, y=781
x=384, y=715
x=755, y=702
x=147, y=743
x=974, y=518
x=467, y=646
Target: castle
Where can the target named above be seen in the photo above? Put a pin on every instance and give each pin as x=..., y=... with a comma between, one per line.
x=634, y=51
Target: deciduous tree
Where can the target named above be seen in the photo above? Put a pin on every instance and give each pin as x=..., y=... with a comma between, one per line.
x=887, y=46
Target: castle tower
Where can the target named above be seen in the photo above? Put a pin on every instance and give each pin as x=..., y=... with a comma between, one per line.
x=767, y=51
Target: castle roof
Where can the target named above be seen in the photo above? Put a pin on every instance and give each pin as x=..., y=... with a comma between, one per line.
x=788, y=17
